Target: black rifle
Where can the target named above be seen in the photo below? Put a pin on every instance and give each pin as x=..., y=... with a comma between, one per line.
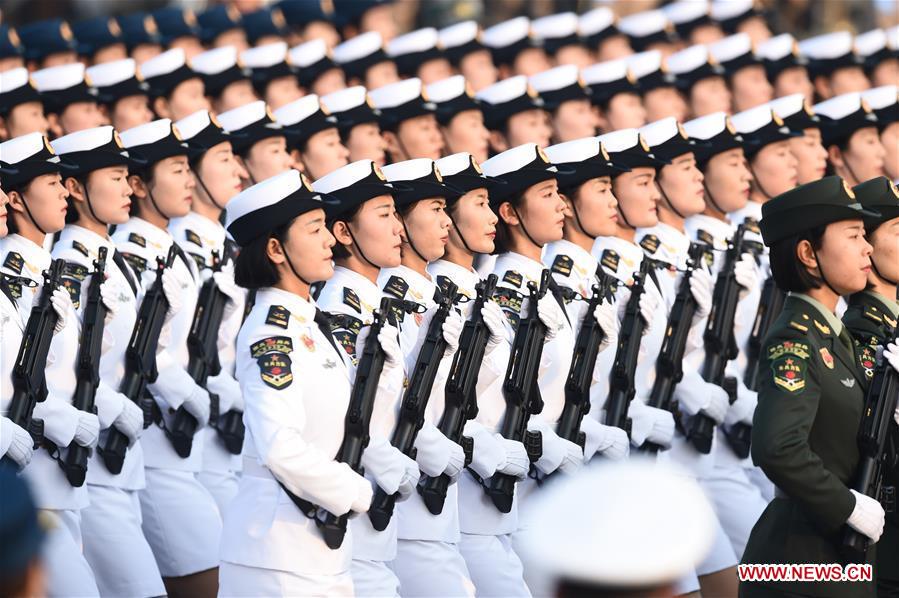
x=28, y=374
x=770, y=305
x=721, y=347
x=415, y=401
x=669, y=363
x=621, y=381
x=87, y=369
x=580, y=373
x=877, y=451
x=356, y=422
x=521, y=392
x=461, y=401
x=140, y=362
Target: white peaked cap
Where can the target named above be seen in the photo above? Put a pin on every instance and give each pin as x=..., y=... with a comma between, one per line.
x=870, y=42
x=505, y=90
x=240, y=117
x=728, y=9
x=419, y=40
x=214, y=61
x=788, y=105
x=458, y=34
x=777, y=47
x=358, y=47
x=561, y=24
x=297, y=110
x=577, y=150
x=644, y=63
x=396, y=94
x=753, y=119
x=308, y=53
x=147, y=133
x=840, y=106
x=264, y=194
x=829, y=45
x=264, y=56
x=454, y=163
x=84, y=140
x=408, y=170
x=23, y=147
x=555, y=78
x=660, y=131
x=620, y=140
x=345, y=99
x=163, y=64
x=881, y=97
x=688, y=59
x=107, y=74
x=686, y=11
x=596, y=20
x=506, y=33
x=446, y=89
x=344, y=176
x=732, y=46
x=706, y=127
x=511, y=160
x=13, y=79
x=193, y=124
x=605, y=72
x=59, y=77
x=605, y=525
x=643, y=23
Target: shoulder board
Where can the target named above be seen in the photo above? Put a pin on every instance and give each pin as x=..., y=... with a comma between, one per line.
x=15, y=289
x=192, y=237
x=752, y=225
x=822, y=328
x=396, y=287
x=14, y=262
x=650, y=244
x=891, y=322
x=199, y=260
x=80, y=248
x=443, y=283
x=798, y=326
x=873, y=314
x=135, y=261
x=562, y=265
x=513, y=278
x=137, y=240
x=278, y=315
x=352, y=299
x=706, y=237
x=610, y=259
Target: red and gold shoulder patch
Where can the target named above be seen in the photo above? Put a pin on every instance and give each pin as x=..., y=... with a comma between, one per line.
x=789, y=365
x=274, y=362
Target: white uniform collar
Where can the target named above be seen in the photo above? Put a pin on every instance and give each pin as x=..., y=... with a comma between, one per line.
x=298, y=307
x=88, y=239
x=35, y=258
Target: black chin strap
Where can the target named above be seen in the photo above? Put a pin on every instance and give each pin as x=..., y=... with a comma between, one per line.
x=711, y=197
x=669, y=202
x=31, y=216
x=580, y=224
x=856, y=180
x=758, y=183
x=208, y=194
x=359, y=247
x=155, y=205
x=524, y=229
x=879, y=274
x=821, y=272
x=461, y=236
x=411, y=244
x=90, y=206
x=624, y=218
x=292, y=269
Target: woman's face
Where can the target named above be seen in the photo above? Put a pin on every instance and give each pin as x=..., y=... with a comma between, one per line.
x=681, y=183
x=728, y=180
x=625, y=111
x=308, y=245
x=427, y=227
x=709, y=95
x=328, y=82
x=434, y=70
x=172, y=186
x=45, y=199
x=848, y=80
x=638, y=197
x=775, y=169
x=417, y=137
x=473, y=221
x=542, y=212
x=267, y=158
x=187, y=98
x=381, y=74
x=531, y=61
x=377, y=229
x=366, y=143
x=110, y=194
x=844, y=256
x=478, y=69
x=530, y=126
x=282, y=91
x=664, y=102
x=751, y=87
x=220, y=173
x=863, y=157
x=324, y=153
x=885, y=240
x=130, y=112
x=466, y=133
x=235, y=95
x=885, y=73
x=597, y=208
x=26, y=118
x=811, y=157
x=573, y=120
x=80, y=116
x=794, y=80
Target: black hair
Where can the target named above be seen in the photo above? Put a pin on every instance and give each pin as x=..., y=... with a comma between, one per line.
x=503, y=241
x=252, y=267
x=11, y=227
x=339, y=251
x=788, y=272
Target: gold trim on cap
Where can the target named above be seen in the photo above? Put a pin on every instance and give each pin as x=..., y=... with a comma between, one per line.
x=268, y=113
x=214, y=120
x=305, y=182
x=233, y=14
x=893, y=188
x=47, y=145
x=643, y=143
x=729, y=125
x=603, y=152
x=474, y=164
x=378, y=172
x=65, y=31
x=176, y=133
x=117, y=139
x=437, y=174
x=189, y=17
x=114, y=27
x=848, y=189
x=777, y=120
x=542, y=155
x=278, y=18
x=150, y=24
x=14, y=38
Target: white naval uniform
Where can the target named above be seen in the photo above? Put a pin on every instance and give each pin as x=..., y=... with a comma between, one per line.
x=114, y=543
x=425, y=542
x=297, y=388
x=737, y=500
x=199, y=237
x=350, y=299
x=180, y=518
x=67, y=570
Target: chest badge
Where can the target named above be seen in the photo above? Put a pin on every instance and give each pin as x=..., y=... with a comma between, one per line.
x=826, y=357
x=308, y=342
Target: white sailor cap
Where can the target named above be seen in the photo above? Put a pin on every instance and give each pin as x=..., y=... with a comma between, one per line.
x=401, y=101
x=91, y=149
x=14, y=79
x=215, y=61
x=828, y=45
x=351, y=106
x=459, y=40
x=265, y=56
x=644, y=63
x=583, y=533
x=163, y=64
x=841, y=106
x=353, y=184
x=607, y=79
x=628, y=148
x=506, y=98
x=870, y=42
x=298, y=110
x=716, y=133
x=419, y=179
x=411, y=50
x=16, y=87
x=693, y=64
x=878, y=45
x=777, y=47
x=761, y=126
x=519, y=168
x=581, y=160
x=107, y=74
x=844, y=115
x=154, y=141
x=202, y=131
x=556, y=31
x=504, y=91
x=84, y=140
x=795, y=111
x=881, y=97
x=359, y=53
x=31, y=155
x=686, y=14
x=646, y=28
x=252, y=122
x=309, y=53
x=258, y=210
x=507, y=33
x=733, y=52
x=303, y=118
x=63, y=85
x=597, y=24
x=463, y=172
x=454, y=163
x=191, y=125
x=560, y=84
x=452, y=96
x=754, y=119
x=667, y=138
x=730, y=13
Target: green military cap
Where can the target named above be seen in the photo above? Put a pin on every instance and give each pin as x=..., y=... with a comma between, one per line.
x=807, y=206
x=878, y=194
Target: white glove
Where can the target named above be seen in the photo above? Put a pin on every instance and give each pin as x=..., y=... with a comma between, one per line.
x=650, y=424
x=548, y=312
x=557, y=452
x=496, y=324
x=364, y=494
x=389, y=339
x=409, y=481
x=743, y=408
x=747, y=274
x=487, y=452
x=130, y=421
x=198, y=405
x=650, y=300
x=434, y=451
x=61, y=302
x=88, y=429
x=516, y=462
x=711, y=399
x=109, y=295
x=574, y=456
x=21, y=445
x=224, y=279
x=456, y=461
x=452, y=330
x=606, y=316
x=228, y=391
x=867, y=517
x=171, y=288
x=891, y=354
x=615, y=444
x=702, y=286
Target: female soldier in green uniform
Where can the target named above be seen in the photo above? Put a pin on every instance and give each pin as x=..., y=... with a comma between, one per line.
x=871, y=320
x=811, y=394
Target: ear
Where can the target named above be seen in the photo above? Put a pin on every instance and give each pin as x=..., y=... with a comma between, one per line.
x=104, y=110
x=507, y=214
x=822, y=87
x=74, y=188
x=498, y=142
x=4, y=132
x=569, y=205
x=393, y=144
x=835, y=156
x=806, y=254
x=602, y=123
x=16, y=201
x=161, y=108
x=341, y=232
x=274, y=251
x=138, y=187
x=55, y=128
x=298, y=162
